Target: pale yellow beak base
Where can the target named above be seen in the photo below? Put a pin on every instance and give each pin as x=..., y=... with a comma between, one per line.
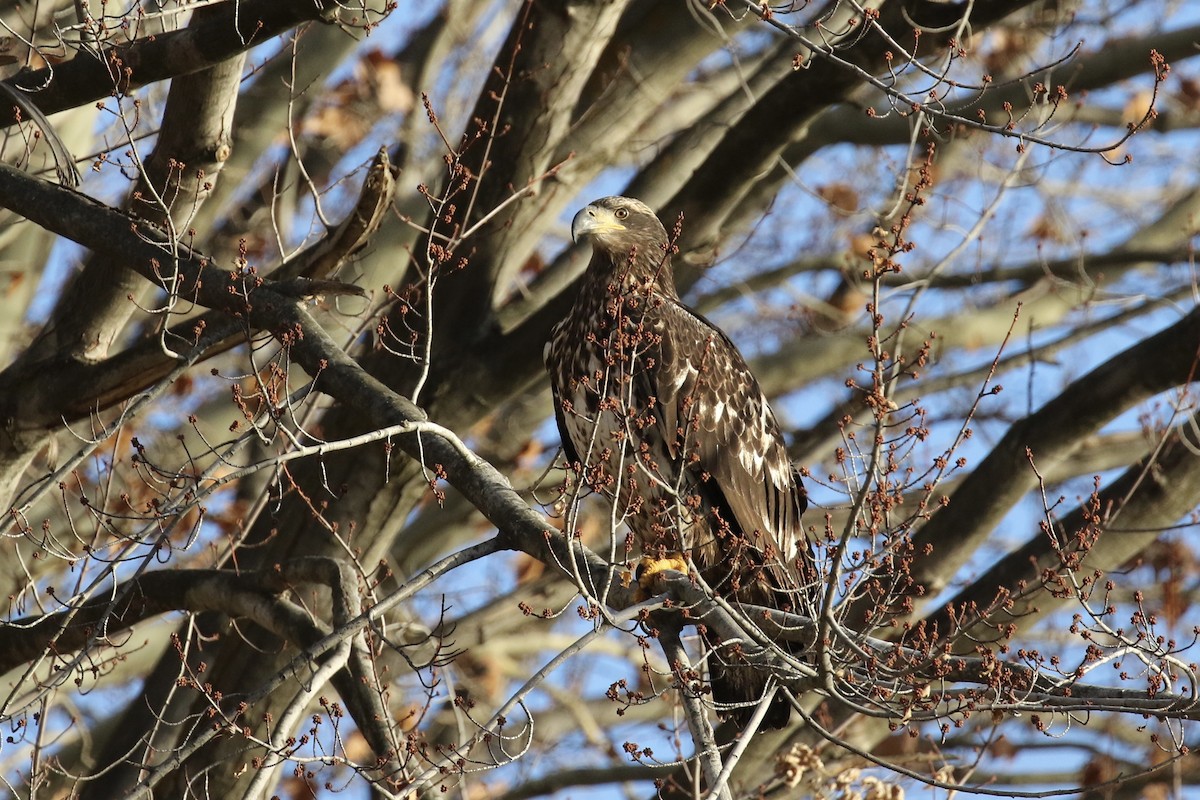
x=592, y=220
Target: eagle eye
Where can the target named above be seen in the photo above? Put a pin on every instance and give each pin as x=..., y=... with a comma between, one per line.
x=621, y=213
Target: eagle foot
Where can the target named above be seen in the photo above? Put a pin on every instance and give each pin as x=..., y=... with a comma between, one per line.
x=649, y=573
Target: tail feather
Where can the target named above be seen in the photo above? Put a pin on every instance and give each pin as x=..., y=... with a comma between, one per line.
x=737, y=689
x=737, y=698
x=737, y=686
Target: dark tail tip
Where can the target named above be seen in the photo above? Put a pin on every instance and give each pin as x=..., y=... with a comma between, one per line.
x=737, y=691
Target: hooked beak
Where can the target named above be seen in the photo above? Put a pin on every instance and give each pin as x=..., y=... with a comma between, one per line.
x=593, y=220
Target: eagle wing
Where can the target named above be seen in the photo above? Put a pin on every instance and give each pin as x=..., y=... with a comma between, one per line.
x=713, y=411
x=564, y=432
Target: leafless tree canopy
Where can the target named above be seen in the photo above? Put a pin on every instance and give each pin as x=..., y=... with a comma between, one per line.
x=286, y=514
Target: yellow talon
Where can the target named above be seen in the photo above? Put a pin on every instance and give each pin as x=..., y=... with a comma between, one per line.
x=649, y=571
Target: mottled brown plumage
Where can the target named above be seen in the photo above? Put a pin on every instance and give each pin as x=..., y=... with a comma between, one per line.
x=662, y=417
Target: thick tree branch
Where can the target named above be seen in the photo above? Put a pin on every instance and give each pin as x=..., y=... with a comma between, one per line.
x=233, y=28
x=1123, y=519
x=176, y=179
x=1160, y=362
x=70, y=390
x=749, y=149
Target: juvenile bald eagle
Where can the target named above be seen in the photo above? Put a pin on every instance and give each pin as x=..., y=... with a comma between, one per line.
x=659, y=413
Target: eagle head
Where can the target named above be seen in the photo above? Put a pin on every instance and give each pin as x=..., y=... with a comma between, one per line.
x=617, y=225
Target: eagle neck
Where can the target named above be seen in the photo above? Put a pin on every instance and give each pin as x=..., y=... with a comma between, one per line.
x=610, y=275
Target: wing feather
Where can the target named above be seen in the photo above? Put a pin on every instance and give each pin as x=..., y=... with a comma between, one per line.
x=714, y=412
x=559, y=376
x=564, y=433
